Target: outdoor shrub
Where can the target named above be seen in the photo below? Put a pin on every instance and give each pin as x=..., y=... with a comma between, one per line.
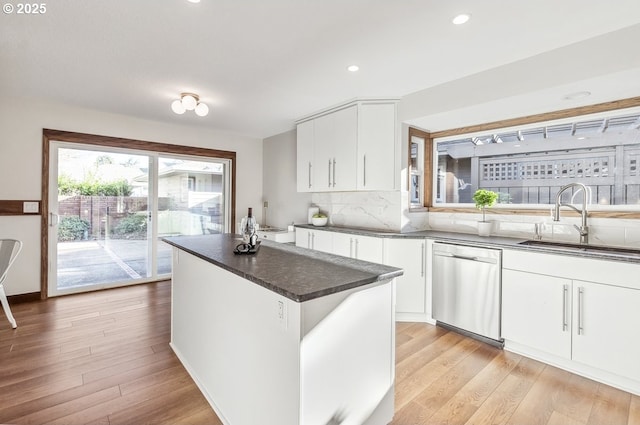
x=68, y=186
x=116, y=188
x=72, y=228
x=132, y=225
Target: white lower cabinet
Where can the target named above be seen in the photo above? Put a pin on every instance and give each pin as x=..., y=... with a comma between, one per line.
x=364, y=248
x=606, y=324
x=413, y=302
x=411, y=288
x=536, y=311
x=314, y=239
x=551, y=312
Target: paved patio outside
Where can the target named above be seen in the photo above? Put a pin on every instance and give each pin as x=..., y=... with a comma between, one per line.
x=83, y=263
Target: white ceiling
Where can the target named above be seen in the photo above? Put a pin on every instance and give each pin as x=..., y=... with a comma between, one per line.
x=260, y=64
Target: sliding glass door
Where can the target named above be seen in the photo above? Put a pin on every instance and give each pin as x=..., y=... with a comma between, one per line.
x=110, y=207
x=191, y=200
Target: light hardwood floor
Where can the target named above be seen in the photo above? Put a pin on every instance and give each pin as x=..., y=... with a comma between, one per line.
x=445, y=378
x=103, y=358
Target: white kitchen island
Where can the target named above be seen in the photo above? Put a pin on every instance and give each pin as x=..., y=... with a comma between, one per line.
x=286, y=336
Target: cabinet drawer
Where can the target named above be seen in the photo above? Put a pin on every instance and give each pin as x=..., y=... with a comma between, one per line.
x=617, y=273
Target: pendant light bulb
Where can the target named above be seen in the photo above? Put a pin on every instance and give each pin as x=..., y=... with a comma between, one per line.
x=189, y=102
x=202, y=109
x=178, y=107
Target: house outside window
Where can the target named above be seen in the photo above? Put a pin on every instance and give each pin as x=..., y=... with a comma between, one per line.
x=528, y=165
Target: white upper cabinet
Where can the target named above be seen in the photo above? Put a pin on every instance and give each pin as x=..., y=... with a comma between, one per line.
x=334, y=150
x=348, y=148
x=304, y=156
x=376, y=146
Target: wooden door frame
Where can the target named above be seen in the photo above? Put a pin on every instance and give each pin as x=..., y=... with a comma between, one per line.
x=49, y=136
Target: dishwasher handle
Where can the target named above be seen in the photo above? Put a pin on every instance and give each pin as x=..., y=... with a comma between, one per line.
x=465, y=257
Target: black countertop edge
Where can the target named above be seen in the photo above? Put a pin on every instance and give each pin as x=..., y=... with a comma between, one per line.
x=476, y=240
x=321, y=274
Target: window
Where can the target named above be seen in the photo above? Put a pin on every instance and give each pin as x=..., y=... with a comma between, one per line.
x=416, y=172
x=527, y=165
x=419, y=167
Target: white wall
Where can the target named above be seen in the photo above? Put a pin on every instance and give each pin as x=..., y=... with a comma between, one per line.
x=286, y=205
x=21, y=124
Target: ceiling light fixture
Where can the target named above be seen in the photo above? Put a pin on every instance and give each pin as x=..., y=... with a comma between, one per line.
x=577, y=95
x=189, y=102
x=461, y=18
x=353, y=68
x=194, y=1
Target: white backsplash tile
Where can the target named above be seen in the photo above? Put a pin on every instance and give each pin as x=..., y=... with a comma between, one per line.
x=565, y=232
x=606, y=235
x=370, y=210
x=602, y=231
x=632, y=235
x=412, y=221
x=389, y=211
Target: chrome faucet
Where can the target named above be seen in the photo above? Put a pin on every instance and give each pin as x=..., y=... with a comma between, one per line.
x=583, y=229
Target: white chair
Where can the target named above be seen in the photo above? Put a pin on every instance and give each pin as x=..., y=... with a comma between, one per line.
x=9, y=250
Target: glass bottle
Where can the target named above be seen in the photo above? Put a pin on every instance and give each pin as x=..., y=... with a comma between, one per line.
x=248, y=226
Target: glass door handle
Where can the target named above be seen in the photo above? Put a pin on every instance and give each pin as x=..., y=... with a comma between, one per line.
x=54, y=219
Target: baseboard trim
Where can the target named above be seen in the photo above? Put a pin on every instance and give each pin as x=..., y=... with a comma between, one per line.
x=24, y=298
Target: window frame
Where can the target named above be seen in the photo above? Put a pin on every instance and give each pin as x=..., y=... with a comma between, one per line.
x=427, y=166
x=608, y=211
x=49, y=136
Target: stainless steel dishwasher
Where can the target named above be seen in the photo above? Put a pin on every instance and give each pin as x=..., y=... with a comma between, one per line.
x=466, y=289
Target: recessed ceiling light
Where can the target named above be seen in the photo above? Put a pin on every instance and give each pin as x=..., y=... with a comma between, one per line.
x=194, y=1
x=353, y=68
x=577, y=95
x=461, y=18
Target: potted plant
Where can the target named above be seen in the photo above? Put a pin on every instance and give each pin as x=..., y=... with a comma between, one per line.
x=483, y=199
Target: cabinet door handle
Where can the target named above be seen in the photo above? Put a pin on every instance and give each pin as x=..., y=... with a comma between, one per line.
x=565, y=291
x=356, y=248
x=351, y=247
x=313, y=241
x=329, y=173
x=364, y=173
x=309, y=240
x=334, y=172
x=580, y=310
x=309, y=174
x=422, y=260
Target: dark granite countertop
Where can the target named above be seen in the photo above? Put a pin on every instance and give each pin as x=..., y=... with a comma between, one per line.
x=296, y=273
x=599, y=252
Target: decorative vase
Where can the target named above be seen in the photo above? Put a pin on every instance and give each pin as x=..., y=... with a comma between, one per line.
x=484, y=228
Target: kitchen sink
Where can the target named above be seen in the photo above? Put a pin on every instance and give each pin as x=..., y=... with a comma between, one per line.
x=601, y=249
